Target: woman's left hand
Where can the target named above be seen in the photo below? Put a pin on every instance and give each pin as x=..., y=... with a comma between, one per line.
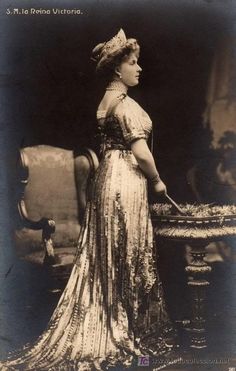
x=160, y=188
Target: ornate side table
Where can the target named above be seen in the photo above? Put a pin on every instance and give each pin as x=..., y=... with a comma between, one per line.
x=202, y=225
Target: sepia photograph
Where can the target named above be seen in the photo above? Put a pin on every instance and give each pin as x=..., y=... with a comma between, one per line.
x=117, y=185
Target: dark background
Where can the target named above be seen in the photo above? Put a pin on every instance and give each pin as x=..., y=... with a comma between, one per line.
x=49, y=94
x=50, y=91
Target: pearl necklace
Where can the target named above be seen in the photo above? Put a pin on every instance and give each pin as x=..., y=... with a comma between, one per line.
x=118, y=86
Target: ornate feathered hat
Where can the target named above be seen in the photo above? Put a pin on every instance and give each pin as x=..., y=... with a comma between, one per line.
x=106, y=51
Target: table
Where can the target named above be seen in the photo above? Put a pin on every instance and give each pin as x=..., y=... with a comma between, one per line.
x=197, y=231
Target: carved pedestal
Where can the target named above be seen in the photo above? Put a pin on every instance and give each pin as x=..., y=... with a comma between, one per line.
x=198, y=284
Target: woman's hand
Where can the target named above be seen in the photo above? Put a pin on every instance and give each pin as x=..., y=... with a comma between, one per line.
x=159, y=188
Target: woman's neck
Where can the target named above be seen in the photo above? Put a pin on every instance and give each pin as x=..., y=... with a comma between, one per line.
x=117, y=85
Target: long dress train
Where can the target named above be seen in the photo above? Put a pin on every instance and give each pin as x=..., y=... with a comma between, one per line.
x=112, y=307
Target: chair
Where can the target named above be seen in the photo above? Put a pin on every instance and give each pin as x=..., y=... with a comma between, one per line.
x=53, y=190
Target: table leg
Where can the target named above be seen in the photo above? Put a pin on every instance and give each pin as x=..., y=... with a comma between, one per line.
x=197, y=282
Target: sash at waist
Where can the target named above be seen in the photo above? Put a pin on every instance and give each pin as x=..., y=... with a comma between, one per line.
x=109, y=146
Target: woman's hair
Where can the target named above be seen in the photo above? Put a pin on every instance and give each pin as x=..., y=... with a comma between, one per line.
x=106, y=64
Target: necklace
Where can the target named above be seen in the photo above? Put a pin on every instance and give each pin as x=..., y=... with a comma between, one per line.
x=118, y=86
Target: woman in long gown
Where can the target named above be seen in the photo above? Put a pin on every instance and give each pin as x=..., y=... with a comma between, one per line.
x=112, y=309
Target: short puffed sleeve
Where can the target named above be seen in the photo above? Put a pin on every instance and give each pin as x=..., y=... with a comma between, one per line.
x=132, y=120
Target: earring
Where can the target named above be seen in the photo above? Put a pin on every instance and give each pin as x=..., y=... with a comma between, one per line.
x=119, y=74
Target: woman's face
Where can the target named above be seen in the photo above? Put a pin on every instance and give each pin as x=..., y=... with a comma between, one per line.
x=129, y=70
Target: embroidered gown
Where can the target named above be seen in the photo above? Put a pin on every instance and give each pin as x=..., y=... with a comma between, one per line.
x=112, y=307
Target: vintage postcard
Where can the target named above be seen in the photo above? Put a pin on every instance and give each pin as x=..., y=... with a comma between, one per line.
x=117, y=185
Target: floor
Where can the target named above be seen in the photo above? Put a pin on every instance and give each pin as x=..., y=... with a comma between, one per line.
x=29, y=292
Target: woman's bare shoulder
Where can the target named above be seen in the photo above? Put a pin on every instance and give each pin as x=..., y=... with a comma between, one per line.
x=108, y=100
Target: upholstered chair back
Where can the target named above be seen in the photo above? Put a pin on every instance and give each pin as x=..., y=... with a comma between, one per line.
x=55, y=187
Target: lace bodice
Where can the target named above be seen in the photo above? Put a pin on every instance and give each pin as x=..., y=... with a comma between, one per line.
x=126, y=123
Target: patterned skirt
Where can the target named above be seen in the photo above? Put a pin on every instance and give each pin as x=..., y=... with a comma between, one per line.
x=112, y=309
